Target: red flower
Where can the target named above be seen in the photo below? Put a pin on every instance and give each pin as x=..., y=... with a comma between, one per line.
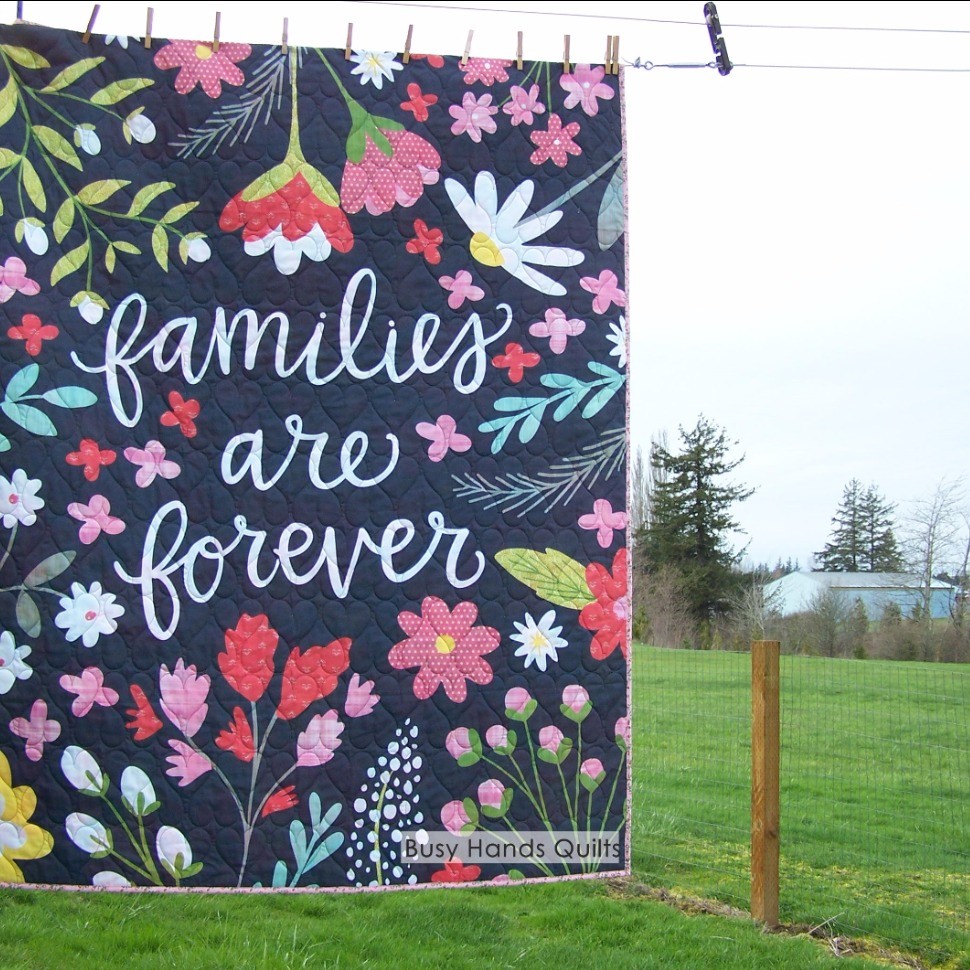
x=280, y=801
x=446, y=646
x=392, y=167
x=555, y=143
x=419, y=102
x=456, y=871
x=182, y=414
x=608, y=615
x=238, y=737
x=199, y=64
x=144, y=721
x=426, y=242
x=309, y=676
x=92, y=457
x=434, y=60
x=247, y=662
x=516, y=359
x=33, y=332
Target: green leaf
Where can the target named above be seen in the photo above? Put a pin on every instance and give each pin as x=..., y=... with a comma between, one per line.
x=24, y=57
x=324, y=850
x=127, y=247
x=30, y=419
x=611, y=220
x=70, y=397
x=298, y=841
x=95, y=193
x=160, y=246
x=49, y=568
x=145, y=196
x=64, y=219
x=119, y=90
x=328, y=819
x=4, y=443
x=32, y=184
x=8, y=100
x=109, y=258
x=177, y=211
x=57, y=145
x=386, y=124
x=471, y=810
x=315, y=809
x=553, y=575
x=191, y=870
x=279, y=874
x=70, y=262
x=7, y=157
x=22, y=382
x=71, y=73
x=28, y=616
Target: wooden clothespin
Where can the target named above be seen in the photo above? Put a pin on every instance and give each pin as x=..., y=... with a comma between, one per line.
x=350, y=40
x=468, y=49
x=148, y=27
x=565, y=55
x=616, y=54
x=94, y=16
x=608, y=60
x=518, y=53
x=407, y=44
x=286, y=35
x=215, y=33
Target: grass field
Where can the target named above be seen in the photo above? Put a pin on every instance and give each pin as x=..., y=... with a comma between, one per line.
x=875, y=838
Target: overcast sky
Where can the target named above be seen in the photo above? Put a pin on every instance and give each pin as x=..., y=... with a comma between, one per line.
x=800, y=239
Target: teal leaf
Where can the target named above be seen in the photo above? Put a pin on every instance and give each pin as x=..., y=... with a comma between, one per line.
x=4, y=443
x=298, y=842
x=327, y=820
x=22, y=382
x=70, y=397
x=600, y=400
x=314, y=802
x=325, y=849
x=30, y=419
x=279, y=875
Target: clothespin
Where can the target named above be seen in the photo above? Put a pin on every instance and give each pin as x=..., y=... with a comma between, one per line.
x=350, y=40
x=608, y=59
x=565, y=55
x=616, y=54
x=94, y=16
x=215, y=33
x=20, y=11
x=148, y=27
x=724, y=64
x=468, y=49
x=286, y=34
x=518, y=53
x=407, y=44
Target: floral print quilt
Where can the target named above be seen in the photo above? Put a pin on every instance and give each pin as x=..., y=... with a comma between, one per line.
x=313, y=449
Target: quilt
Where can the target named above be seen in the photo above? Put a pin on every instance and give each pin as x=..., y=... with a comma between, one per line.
x=313, y=440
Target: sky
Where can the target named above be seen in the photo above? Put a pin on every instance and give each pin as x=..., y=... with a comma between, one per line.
x=799, y=238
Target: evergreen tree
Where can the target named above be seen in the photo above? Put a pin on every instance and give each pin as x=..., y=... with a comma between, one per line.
x=690, y=517
x=882, y=553
x=862, y=538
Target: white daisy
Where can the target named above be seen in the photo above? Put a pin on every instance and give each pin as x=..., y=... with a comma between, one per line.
x=88, y=613
x=540, y=641
x=19, y=501
x=500, y=239
x=12, y=666
x=375, y=66
x=617, y=337
x=116, y=39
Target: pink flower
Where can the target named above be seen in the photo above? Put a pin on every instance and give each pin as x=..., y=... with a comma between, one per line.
x=95, y=519
x=473, y=116
x=461, y=288
x=575, y=698
x=604, y=520
x=187, y=763
x=491, y=793
x=592, y=768
x=317, y=744
x=497, y=736
x=488, y=70
x=585, y=86
x=607, y=616
x=555, y=143
x=622, y=729
x=13, y=279
x=458, y=742
x=524, y=104
x=517, y=699
x=604, y=289
x=557, y=328
x=184, y=694
x=446, y=646
x=36, y=731
x=444, y=437
x=151, y=462
x=361, y=699
x=550, y=737
x=454, y=817
x=90, y=690
x=380, y=177
x=199, y=64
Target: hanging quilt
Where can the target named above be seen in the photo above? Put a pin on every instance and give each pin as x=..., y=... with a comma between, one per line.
x=312, y=467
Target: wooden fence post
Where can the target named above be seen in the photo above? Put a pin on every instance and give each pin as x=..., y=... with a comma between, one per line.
x=765, y=757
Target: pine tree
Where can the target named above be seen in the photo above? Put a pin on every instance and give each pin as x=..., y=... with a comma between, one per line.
x=690, y=517
x=882, y=553
x=862, y=538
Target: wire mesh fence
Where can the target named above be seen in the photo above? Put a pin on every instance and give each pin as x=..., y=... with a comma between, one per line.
x=875, y=792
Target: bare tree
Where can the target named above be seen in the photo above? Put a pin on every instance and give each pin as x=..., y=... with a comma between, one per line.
x=639, y=493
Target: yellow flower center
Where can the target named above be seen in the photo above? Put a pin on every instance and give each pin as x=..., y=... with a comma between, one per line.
x=539, y=641
x=485, y=250
x=202, y=52
x=445, y=643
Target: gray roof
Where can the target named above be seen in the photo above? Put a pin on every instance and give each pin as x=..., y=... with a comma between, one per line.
x=874, y=580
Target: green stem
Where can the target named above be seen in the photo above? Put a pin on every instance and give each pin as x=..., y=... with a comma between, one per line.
x=535, y=772
x=539, y=865
x=274, y=789
x=548, y=87
x=13, y=535
x=565, y=792
x=609, y=802
x=344, y=92
x=150, y=862
x=135, y=868
x=579, y=764
x=518, y=780
x=377, y=832
x=144, y=856
x=536, y=66
x=580, y=186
